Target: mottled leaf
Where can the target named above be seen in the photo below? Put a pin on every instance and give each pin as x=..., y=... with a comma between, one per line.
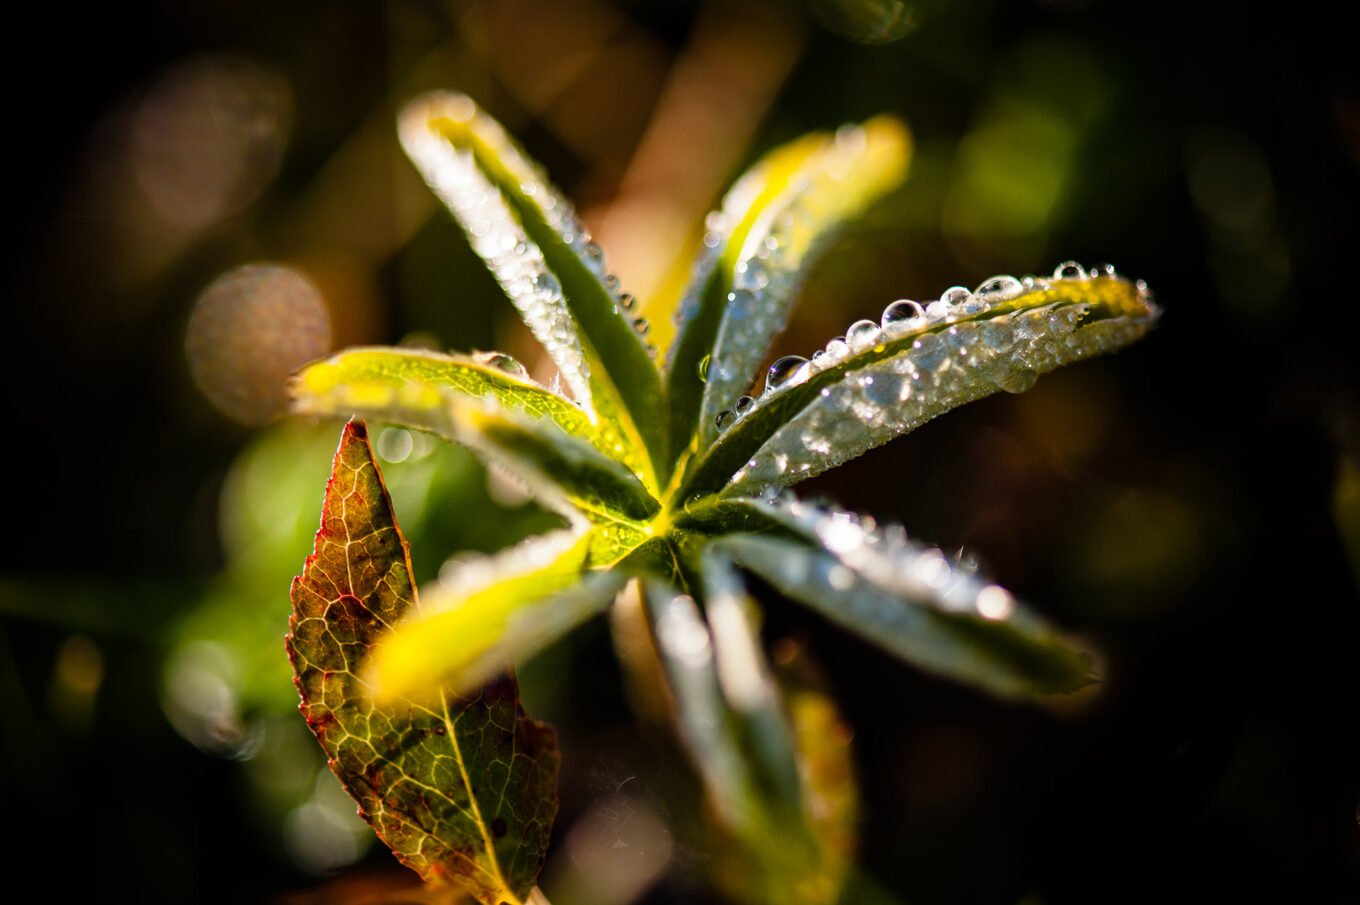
x=402, y=386
x=762, y=245
x=914, y=601
x=487, y=613
x=462, y=789
x=543, y=258
x=882, y=381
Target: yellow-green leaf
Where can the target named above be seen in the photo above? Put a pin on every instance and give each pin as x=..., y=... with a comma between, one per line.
x=461, y=788
x=765, y=240
x=542, y=256
x=432, y=393
x=403, y=386
x=882, y=380
x=489, y=612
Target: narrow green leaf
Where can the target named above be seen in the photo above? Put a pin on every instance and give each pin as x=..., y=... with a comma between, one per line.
x=744, y=678
x=556, y=464
x=542, y=256
x=733, y=725
x=462, y=789
x=403, y=386
x=826, y=762
x=881, y=382
x=567, y=472
x=489, y=612
x=912, y=600
x=762, y=245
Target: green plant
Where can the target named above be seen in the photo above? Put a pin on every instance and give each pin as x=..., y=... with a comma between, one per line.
x=671, y=480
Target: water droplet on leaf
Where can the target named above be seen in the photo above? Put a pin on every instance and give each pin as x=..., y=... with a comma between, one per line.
x=902, y=310
x=862, y=335
x=1016, y=380
x=1069, y=270
x=999, y=289
x=502, y=362
x=785, y=372
x=955, y=295
x=547, y=283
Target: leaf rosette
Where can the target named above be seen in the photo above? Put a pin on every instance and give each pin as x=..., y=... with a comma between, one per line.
x=671, y=468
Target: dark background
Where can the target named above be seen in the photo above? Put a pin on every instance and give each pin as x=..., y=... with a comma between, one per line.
x=1191, y=505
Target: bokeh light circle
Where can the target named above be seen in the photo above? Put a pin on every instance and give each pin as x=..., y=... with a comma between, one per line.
x=250, y=329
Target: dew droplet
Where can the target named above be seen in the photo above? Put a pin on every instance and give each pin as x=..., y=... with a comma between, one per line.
x=502, y=362
x=1069, y=270
x=1105, y=270
x=837, y=347
x=744, y=405
x=862, y=335
x=594, y=255
x=786, y=371
x=999, y=289
x=547, y=283
x=955, y=295
x=818, y=358
x=627, y=301
x=902, y=310
x=938, y=310
x=724, y=420
x=703, y=368
x=1016, y=380
x=641, y=326
x=611, y=282
x=756, y=274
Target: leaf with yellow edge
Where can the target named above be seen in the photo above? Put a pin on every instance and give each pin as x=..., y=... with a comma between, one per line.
x=432, y=393
x=771, y=227
x=529, y=235
x=486, y=613
x=403, y=386
x=461, y=788
x=883, y=379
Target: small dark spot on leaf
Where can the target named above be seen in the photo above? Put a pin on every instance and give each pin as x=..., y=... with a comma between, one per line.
x=498, y=827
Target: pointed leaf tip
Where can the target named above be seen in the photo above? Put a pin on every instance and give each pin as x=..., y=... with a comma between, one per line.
x=541, y=254
x=464, y=790
x=773, y=225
